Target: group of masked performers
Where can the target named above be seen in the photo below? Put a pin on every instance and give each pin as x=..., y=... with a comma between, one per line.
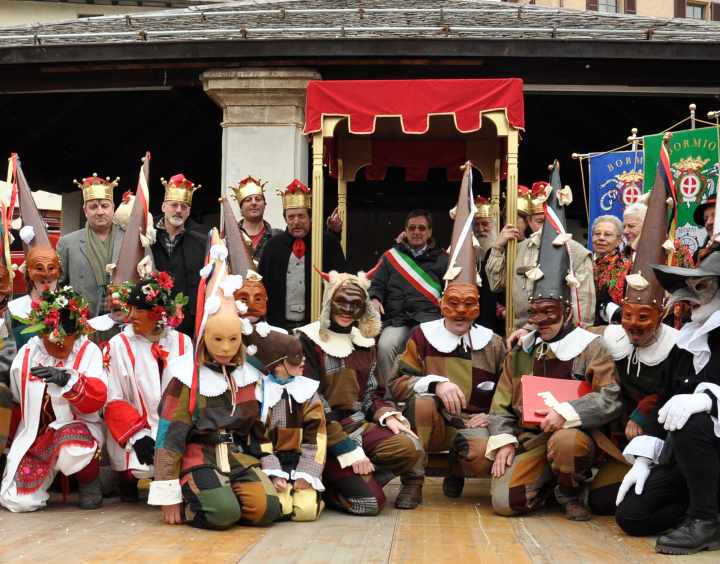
x=251, y=425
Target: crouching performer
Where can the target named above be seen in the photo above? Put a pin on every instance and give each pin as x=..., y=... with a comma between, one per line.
x=212, y=457
x=57, y=379
x=140, y=361
x=369, y=441
x=529, y=461
x=673, y=484
x=295, y=420
x=448, y=371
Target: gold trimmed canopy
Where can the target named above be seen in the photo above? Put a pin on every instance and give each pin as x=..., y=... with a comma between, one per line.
x=179, y=189
x=97, y=188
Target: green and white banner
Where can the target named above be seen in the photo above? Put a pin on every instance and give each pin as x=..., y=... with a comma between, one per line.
x=694, y=163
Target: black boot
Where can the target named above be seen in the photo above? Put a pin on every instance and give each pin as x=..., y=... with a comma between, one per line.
x=693, y=535
x=453, y=486
x=128, y=490
x=90, y=494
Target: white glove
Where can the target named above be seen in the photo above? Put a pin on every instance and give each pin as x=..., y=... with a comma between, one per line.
x=637, y=475
x=675, y=413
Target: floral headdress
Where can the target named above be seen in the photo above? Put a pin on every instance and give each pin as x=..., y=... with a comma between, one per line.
x=154, y=293
x=59, y=314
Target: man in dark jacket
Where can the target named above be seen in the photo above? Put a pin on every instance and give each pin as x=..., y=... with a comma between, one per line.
x=180, y=249
x=285, y=265
x=407, y=287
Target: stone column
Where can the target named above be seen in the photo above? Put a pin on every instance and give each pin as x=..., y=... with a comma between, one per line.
x=263, y=119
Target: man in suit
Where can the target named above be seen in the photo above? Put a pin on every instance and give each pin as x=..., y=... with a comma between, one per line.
x=85, y=253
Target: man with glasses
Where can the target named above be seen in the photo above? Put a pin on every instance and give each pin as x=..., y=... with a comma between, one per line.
x=407, y=286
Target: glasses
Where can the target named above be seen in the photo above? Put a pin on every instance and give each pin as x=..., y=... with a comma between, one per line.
x=417, y=227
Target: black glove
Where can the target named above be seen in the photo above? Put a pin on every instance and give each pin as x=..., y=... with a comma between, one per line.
x=145, y=450
x=51, y=375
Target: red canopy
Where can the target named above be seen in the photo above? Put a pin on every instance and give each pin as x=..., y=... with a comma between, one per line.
x=414, y=101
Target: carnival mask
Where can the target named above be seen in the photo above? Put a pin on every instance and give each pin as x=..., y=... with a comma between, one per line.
x=704, y=288
x=223, y=337
x=60, y=349
x=5, y=287
x=254, y=296
x=43, y=267
x=460, y=306
x=145, y=323
x=548, y=316
x=348, y=304
x=641, y=322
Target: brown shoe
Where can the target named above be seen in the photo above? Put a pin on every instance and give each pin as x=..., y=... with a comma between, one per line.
x=576, y=511
x=409, y=496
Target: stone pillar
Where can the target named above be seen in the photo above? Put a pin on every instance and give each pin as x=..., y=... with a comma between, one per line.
x=263, y=119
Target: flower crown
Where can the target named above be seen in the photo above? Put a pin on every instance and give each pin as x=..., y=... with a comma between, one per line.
x=154, y=293
x=60, y=313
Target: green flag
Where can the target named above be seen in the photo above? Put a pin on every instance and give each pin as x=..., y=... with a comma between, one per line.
x=694, y=163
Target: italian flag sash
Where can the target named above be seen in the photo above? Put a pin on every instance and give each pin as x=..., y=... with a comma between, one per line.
x=415, y=275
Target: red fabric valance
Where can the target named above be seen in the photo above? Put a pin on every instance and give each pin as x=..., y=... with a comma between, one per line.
x=414, y=101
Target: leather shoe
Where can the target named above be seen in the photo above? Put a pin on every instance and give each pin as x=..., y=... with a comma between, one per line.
x=693, y=535
x=453, y=486
x=576, y=511
x=409, y=496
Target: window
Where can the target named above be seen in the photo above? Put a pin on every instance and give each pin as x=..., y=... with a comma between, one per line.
x=609, y=6
x=695, y=11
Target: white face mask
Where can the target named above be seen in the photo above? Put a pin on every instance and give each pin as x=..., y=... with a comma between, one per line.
x=703, y=312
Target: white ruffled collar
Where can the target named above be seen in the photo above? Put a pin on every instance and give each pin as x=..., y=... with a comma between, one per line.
x=339, y=345
x=693, y=338
x=212, y=383
x=446, y=342
x=567, y=348
x=21, y=307
x=300, y=388
x=619, y=346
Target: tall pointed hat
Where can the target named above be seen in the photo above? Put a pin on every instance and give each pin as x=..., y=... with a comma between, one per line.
x=553, y=274
x=462, y=267
x=34, y=231
x=139, y=234
x=642, y=286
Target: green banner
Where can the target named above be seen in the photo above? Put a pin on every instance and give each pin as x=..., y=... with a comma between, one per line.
x=694, y=163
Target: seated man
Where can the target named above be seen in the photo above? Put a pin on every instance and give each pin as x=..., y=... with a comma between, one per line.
x=406, y=287
x=58, y=380
x=448, y=371
x=139, y=368
x=528, y=460
x=673, y=484
x=368, y=440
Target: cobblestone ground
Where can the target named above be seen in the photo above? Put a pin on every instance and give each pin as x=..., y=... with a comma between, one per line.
x=459, y=531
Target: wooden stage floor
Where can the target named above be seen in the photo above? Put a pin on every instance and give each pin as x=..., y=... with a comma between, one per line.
x=458, y=531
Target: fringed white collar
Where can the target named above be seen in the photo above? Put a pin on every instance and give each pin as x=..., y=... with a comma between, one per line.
x=693, y=337
x=567, y=348
x=619, y=346
x=270, y=393
x=339, y=345
x=446, y=342
x=212, y=383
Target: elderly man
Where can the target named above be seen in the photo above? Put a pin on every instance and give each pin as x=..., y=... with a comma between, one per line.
x=407, y=286
x=530, y=207
x=179, y=250
x=85, y=253
x=633, y=218
x=486, y=234
x=285, y=265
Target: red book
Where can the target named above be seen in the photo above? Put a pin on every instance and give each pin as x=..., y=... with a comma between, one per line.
x=534, y=406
